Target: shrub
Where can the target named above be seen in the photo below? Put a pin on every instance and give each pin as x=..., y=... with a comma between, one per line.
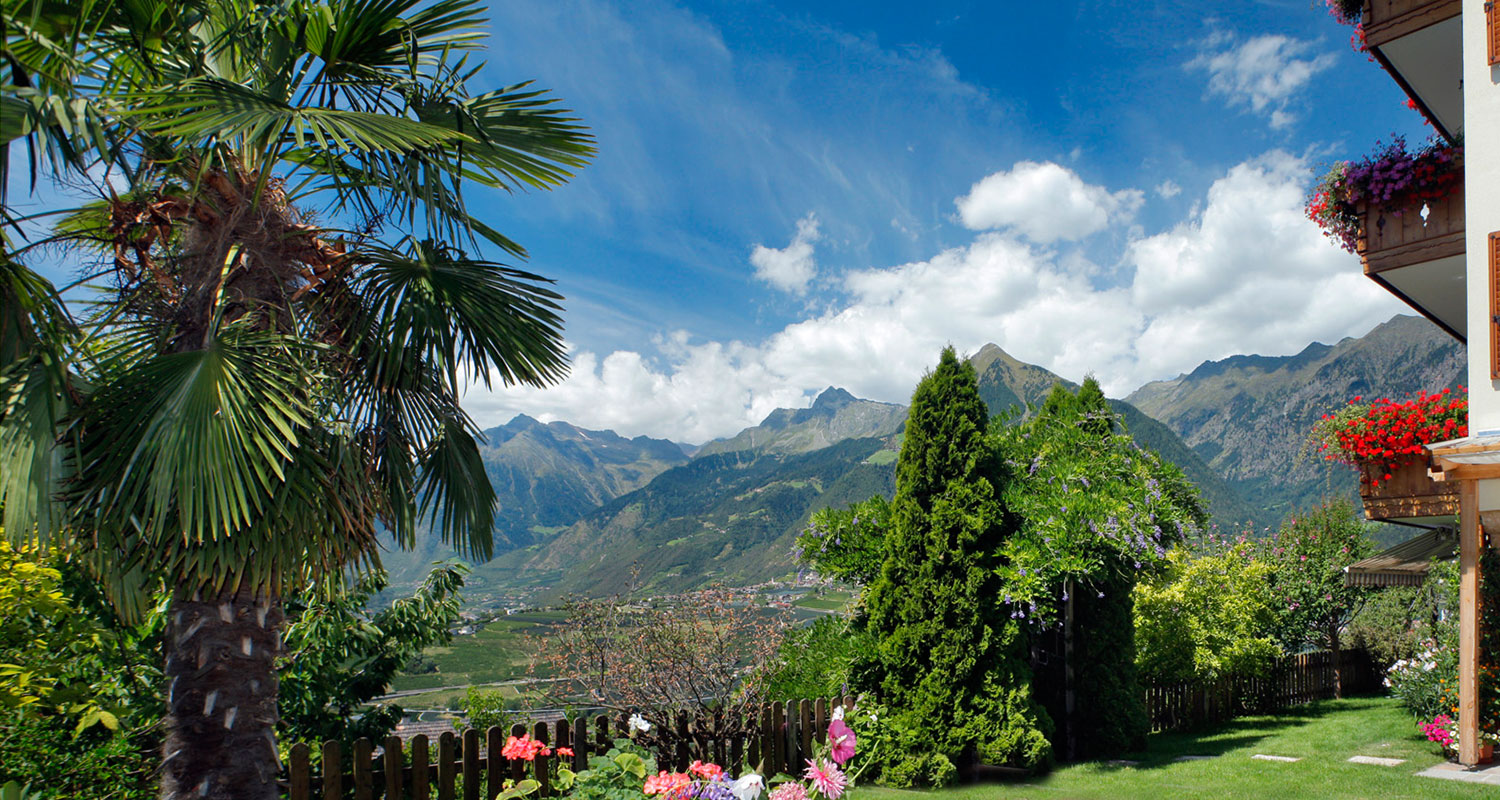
x=952, y=663
x=815, y=660
x=486, y=708
x=1210, y=613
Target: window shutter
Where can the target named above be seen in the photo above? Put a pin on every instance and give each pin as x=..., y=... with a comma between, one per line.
x=1494, y=253
x=1492, y=29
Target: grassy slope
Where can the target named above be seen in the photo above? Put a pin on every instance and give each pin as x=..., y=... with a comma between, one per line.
x=1323, y=735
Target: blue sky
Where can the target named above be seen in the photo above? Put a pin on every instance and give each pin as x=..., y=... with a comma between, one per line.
x=1105, y=187
x=793, y=195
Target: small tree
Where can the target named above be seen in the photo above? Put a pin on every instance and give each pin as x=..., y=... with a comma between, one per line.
x=702, y=653
x=338, y=657
x=1308, y=556
x=951, y=663
x=1209, y=613
x=1095, y=511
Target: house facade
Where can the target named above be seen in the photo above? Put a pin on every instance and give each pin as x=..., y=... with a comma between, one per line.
x=1442, y=256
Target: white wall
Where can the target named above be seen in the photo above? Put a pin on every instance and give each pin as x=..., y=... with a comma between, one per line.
x=1481, y=209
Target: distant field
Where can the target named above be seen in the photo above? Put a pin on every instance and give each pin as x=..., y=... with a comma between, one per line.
x=833, y=601
x=500, y=652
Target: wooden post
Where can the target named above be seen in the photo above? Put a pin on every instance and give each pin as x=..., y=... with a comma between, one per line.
x=540, y=770
x=497, y=762
x=419, y=777
x=580, y=743
x=805, y=725
x=393, y=764
x=364, y=775
x=471, y=764
x=333, y=771
x=447, y=775
x=1468, y=622
x=301, y=773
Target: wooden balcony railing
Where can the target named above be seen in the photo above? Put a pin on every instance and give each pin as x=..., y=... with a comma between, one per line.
x=1386, y=20
x=1391, y=239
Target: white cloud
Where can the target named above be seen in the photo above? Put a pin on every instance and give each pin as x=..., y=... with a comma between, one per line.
x=1044, y=202
x=791, y=268
x=1168, y=189
x=1264, y=73
x=1246, y=274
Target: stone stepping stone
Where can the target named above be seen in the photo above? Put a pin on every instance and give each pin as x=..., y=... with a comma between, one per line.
x=1379, y=762
x=1122, y=762
x=1283, y=759
x=1193, y=758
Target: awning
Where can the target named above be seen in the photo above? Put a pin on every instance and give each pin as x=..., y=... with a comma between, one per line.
x=1405, y=564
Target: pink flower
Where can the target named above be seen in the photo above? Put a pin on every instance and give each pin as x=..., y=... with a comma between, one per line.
x=668, y=784
x=826, y=777
x=524, y=748
x=789, y=791
x=841, y=742
x=708, y=772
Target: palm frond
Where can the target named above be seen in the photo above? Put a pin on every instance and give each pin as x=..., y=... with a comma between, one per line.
x=193, y=444
x=456, y=492
x=464, y=315
x=35, y=336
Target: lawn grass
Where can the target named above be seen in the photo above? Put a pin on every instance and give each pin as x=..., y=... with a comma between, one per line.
x=1323, y=735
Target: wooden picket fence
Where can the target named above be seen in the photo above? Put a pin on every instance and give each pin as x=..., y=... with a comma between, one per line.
x=470, y=766
x=1293, y=681
x=782, y=735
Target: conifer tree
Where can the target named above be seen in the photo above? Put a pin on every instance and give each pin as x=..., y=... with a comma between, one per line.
x=952, y=662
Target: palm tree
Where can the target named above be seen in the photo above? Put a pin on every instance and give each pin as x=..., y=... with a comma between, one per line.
x=258, y=389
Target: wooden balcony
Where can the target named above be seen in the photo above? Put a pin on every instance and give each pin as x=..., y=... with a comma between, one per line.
x=1419, y=257
x=1388, y=20
x=1420, y=42
x=1410, y=494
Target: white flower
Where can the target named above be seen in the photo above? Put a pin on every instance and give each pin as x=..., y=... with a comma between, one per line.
x=748, y=787
x=639, y=723
x=838, y=712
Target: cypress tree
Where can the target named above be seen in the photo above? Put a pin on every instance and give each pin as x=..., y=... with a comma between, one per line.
x=952, y=664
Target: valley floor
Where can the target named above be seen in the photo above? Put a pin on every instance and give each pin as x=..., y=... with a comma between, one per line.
x=1323, y=736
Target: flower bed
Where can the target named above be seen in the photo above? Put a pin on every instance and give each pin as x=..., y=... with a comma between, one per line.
x=1391, y=181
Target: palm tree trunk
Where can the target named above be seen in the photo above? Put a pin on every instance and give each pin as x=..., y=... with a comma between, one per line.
x=221, y=697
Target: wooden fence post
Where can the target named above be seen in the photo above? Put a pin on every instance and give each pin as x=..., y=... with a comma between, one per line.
x=333, y=771
x=419, y=777
x=471, y=764
x=539, y=764
x=446, y=773
x=498, y=762
x=364, y=774
x=580, y=743
x=301, y=773
x=393, y=765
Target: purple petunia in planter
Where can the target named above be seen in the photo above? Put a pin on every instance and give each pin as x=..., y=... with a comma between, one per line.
x=1389, y=180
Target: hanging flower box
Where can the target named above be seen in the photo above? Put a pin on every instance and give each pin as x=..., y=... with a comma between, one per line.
x=1386, y=441
x=1405, y=493
x=1395, y=207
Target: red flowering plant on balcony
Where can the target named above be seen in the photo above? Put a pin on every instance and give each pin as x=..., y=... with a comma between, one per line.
x=1391, y=180
x=1389, y=435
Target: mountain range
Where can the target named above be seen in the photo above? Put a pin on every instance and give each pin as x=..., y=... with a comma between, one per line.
x=591, y=512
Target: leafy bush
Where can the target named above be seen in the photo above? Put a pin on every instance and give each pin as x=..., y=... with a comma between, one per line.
x=1210, y=613
x=96, y=764
x=616, y=775
x=338, y=656
x=815, y=660
x=894, y=755
x=486, y=708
